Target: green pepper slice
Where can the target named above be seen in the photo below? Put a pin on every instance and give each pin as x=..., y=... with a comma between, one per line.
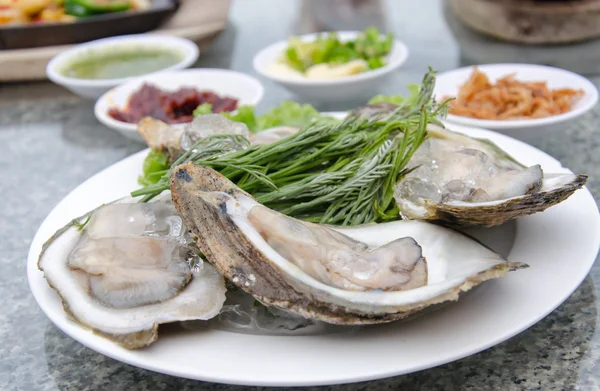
x=77, y=10
x=103, y=6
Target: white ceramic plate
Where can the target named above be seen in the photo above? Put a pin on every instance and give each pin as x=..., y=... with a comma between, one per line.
x=222, y=82
x=448, y=84
x=348, y=87
x=94, y=88
x=560, y=245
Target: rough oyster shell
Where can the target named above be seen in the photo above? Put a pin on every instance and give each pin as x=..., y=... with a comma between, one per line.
x=551, y=190
x=215, y=210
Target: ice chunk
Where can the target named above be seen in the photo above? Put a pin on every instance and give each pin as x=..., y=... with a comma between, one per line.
x=479, y=195
x=209, y=125
x=457, y=190
x=446, y=170
x=119, y=220
x=136, y=219
x=465, y=165
x=417, y=190
x=235, y=316
x=274, y=319
x=512, y=183
x=242, y=314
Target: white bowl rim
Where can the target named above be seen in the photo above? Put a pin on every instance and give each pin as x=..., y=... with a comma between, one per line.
x=399, y=48
x=188, y=47
x=101, y=106
x=590, y=93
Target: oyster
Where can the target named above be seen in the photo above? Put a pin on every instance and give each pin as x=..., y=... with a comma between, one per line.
x=466, y=181
x=361, y=275
x=128, y=270
x=174, y=140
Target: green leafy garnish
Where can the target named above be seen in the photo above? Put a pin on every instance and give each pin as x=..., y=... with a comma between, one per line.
x=370, y=46
x=327, y=48
x=293, y=59
x=204, y=108
x=376, y=62
x=286, y=114
x=244, y=114
x=340, y=173
x=410, y=99
x=154, y=166
x=289, y=114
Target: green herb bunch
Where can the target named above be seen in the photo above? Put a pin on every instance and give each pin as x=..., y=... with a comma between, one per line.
x=331, y=173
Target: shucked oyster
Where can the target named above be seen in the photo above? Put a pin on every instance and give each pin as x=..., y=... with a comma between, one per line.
x=361, y=275
x=128, y=270
x=174, y=140
x=467, y=181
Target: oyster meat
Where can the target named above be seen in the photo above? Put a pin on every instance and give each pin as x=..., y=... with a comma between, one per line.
x=466, y=181
x=130, y=268
x=360, y=275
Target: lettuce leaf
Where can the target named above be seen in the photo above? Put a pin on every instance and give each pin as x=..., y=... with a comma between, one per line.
x=244, y=114
x=410, y=99
x=204, y=108
x=154, y=165
x=369, y=45
x=288, y=113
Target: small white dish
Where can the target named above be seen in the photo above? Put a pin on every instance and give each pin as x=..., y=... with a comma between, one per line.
x=246, y=89
x=448, y=84
x=560, y=245
x=324, y=90
x=93, y=88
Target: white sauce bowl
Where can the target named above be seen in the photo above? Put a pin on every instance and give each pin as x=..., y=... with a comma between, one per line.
x=338, y=89
x=93, y=88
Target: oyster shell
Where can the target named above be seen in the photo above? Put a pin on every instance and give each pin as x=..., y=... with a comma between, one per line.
x=466, y=181
x=435, y=263
x=128, y=270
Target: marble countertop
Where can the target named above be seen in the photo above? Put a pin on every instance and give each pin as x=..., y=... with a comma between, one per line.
x=51, y=142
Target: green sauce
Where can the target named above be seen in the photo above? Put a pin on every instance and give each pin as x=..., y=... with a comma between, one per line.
x=121, y=62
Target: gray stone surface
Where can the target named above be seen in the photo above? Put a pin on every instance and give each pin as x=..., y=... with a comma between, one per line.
x=50, y=142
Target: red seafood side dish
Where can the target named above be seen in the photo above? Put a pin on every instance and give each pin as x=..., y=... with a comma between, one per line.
x=170, y=107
